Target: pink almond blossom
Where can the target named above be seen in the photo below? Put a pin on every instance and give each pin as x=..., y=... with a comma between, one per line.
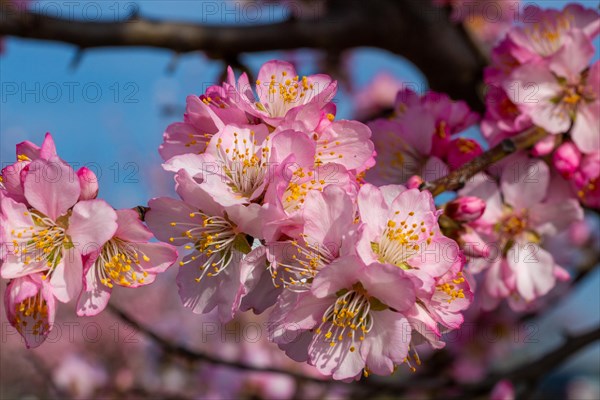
x=30, y=307
x=400, y=228
x=128, y=259
x=216, y=241
x=13, y=175
x=279, y=90
x=328, y=232
x=287, y=194
x=204, y=116
x=415, y=140
x=52, y=231
x=324, y=230
x=586, y=180
x=562, y=95
x=239, y=162
x=461, y=151
x=351, y=322
x=549, y=29
x=527, y=207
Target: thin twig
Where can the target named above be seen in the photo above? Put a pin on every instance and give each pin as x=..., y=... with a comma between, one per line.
x=532, y=372
x=457, y=178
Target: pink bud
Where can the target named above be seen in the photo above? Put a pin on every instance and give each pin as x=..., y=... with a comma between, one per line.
x=544, y=146
x=586, y=180
x=414, y=182
x=89, y=184
x=465, y=209
x=567, y=159
x=461, y=151
x=504, y=390
x=561, y=274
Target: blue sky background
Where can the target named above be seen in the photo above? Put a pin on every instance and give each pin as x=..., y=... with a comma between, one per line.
x=106, y=112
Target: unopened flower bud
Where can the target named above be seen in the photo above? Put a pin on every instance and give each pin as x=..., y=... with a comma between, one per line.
x=465, y=209
x=414, y=182
x=504, y=390
x=89, y=184
x=567, y=159
x=586, y=180
x=544, y=146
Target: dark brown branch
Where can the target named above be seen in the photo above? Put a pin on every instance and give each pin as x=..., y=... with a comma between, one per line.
x=193, y=355
x=550, y=361
x=415, y=29
x=526, y=373
x=457, y=178
x=530, y=373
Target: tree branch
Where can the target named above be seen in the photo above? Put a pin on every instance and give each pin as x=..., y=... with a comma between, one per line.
x=457, y=178
x=194, y=355
x=528, y=372
x=533, y=371
x=415, y=29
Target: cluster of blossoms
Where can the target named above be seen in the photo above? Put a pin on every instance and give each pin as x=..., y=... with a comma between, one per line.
x=542, y=75
x=58, y=242
x=505, y=219
x=524, y=207
x=274, y=213
x=279, y=211
x=421, y=138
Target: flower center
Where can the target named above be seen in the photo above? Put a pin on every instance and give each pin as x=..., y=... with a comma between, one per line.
x=401, y=240
x=547, y=35
x=514, y=225
x=403, y=161
x=349, y=317
x=451, y=288
x=295, y=272
x=42, y=241
x=119, y=262
x=466, y=146
x=212, y=236
x=291, y=91
x=301, y=183
x=508, y=108
x=244, y=163
x=588, y=188
x=441, y=130
x=32, y=314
